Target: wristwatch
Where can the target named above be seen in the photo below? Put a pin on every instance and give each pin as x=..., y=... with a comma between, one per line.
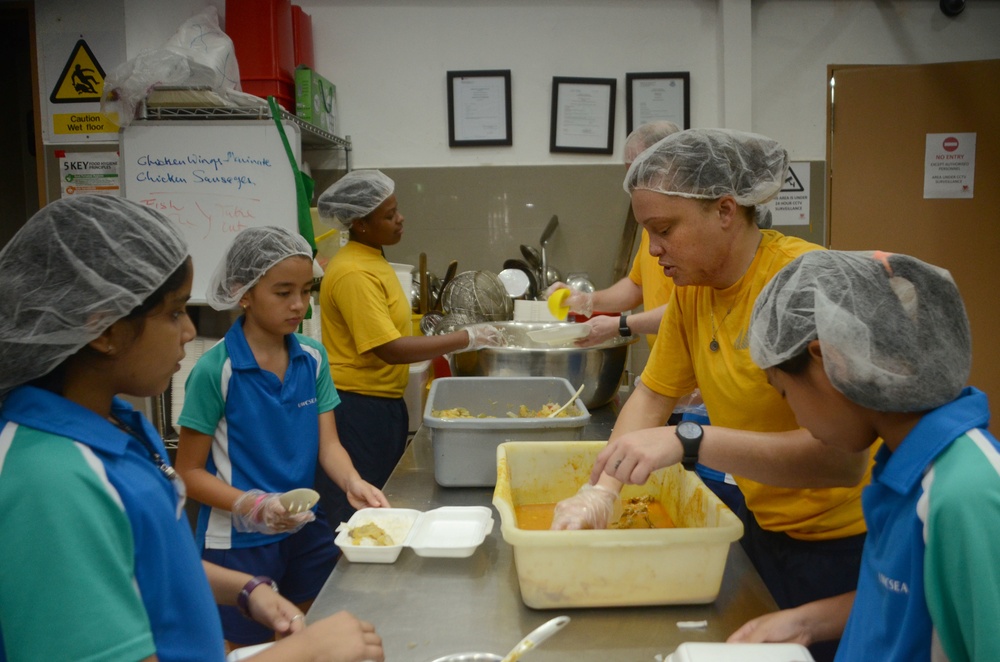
x=623, y=329
x=243, y=599
x=690, y=434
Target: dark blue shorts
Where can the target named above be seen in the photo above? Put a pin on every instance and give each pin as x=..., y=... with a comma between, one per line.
x=373, y=431
x=800, y=571
x=299, y=563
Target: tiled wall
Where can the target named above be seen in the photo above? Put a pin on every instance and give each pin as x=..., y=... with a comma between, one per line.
x=480, y=216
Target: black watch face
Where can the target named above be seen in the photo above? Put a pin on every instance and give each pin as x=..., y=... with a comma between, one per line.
x=688, y=429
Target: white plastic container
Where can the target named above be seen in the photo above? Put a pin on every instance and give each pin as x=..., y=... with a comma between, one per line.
x=611, y=568
x=714, y=652
x=415, y=394
x=465, y=449
x=450, y=531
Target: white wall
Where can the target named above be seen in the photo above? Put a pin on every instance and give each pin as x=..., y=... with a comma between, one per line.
x=389, y=59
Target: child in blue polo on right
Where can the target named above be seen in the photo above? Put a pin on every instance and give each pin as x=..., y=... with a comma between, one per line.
x=876, y=345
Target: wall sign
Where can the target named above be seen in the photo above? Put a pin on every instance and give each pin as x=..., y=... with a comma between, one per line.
x=73, y=69
x=949, y=165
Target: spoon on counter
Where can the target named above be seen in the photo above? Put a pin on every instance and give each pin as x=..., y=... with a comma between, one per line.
x=568, y=403
x=536, y=637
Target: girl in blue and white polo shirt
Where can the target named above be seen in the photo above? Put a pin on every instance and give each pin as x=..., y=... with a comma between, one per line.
x=257, y=416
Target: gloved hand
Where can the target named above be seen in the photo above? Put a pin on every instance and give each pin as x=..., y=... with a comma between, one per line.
x=484, y=335
x=592, y=507
x=578, y=302
x=261, y=512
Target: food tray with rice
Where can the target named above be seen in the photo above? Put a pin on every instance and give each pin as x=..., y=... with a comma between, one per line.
x=378, y=535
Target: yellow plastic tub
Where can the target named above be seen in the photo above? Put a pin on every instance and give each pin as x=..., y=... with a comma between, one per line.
x=611, y=568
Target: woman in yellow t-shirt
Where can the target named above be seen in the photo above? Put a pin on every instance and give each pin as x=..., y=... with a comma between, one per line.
x=366, y=323
x=697, y=193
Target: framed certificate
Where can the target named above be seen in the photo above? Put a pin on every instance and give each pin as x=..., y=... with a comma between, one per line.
x=658, y=96
x=479, y=108
x=583, y=115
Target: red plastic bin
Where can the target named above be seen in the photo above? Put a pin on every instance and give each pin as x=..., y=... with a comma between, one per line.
x=283, y=93
x=302, y=38
x=261, y=31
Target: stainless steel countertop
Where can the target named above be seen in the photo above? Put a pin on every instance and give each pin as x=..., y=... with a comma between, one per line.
x=425, y=608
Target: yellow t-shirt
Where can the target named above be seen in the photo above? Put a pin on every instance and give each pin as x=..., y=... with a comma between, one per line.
x=648, y=274
x=362, y=306
x=736, y=392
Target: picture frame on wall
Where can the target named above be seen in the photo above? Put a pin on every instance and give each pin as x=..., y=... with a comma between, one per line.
x=479, y=108
x=583, y=115
x=657, y=96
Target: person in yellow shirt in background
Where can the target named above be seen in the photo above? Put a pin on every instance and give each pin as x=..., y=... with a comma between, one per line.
x=645, y=284
x=697, y=193
x=366, y=323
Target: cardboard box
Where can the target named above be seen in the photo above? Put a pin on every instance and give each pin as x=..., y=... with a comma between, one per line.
x=613, y=567
x=316, y=99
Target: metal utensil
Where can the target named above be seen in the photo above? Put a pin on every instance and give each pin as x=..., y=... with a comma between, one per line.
x=546, y=234
x=568, y=403
x=532, y=256
x=424, y=291
x=299, y=501
x=448, y=276
x=536, y=637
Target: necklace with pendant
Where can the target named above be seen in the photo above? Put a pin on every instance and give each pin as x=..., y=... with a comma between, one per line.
x=714, y=345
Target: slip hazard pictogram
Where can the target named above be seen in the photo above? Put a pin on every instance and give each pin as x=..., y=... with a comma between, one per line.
x=82, y=78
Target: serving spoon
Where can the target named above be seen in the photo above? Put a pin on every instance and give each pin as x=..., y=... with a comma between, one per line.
x=568, y=403
x=536, y=637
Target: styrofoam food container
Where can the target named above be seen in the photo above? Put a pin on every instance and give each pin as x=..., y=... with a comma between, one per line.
x=716, y=652
x=450, y=531
x=611, y=568
x=559, y=334
x=465, y=448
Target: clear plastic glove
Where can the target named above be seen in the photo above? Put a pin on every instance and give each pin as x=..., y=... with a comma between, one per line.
x=558, y=285
x=581, y=303
x=261, y=512
x=592, y=507
x=484, y=335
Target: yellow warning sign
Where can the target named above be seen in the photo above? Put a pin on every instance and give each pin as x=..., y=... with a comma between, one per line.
x=82, y=78
x=74, y=123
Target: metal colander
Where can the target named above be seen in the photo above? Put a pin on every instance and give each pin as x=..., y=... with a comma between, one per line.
x=479, y=296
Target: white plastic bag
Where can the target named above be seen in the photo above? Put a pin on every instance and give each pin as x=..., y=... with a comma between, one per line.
x=198, y=55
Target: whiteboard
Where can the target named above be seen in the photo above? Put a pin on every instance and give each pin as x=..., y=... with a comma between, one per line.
x=216, y=178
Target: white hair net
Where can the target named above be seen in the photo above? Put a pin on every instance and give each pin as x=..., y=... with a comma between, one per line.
x=355, y=195
x=893, y=329
x=645, y=135
x=75, y=268
x=707, y=164
x=253, y=252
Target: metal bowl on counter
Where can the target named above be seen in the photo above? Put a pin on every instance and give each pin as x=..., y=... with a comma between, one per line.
x=599, y=368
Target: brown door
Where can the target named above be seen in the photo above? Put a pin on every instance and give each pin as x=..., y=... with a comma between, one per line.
x=879, y=118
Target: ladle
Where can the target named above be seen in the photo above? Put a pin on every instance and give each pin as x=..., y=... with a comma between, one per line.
x=571, y=401
x=536, y=637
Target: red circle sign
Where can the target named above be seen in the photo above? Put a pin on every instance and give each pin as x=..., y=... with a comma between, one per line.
x=950, y=144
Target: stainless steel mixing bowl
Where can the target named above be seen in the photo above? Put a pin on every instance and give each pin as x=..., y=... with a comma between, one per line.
x=599, y=368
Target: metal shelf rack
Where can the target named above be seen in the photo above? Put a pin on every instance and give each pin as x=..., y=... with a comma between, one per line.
x=313, y=137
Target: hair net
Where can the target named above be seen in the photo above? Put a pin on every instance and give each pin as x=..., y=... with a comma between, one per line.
x=645, y=135
x=252, y=253
x=76, y=267
x=707, y=164
x=894, y=332
x=355, y=195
